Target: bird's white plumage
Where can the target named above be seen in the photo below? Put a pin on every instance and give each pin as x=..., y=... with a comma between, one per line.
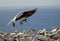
x=20, y=33
x=18, y=15
x=12, y=34
x=54, y=29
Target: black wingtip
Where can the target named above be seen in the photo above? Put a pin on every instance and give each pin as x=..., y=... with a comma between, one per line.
x=35, y=9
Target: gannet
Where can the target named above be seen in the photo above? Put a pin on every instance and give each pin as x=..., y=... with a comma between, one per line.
x=22, y=16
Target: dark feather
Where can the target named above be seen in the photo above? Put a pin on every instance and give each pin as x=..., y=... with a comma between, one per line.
x=27, y=14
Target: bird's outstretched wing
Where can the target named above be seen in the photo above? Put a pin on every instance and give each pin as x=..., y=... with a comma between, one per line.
x=18, y=15
x=29, y=13
x=22, y=15
x=25, y=14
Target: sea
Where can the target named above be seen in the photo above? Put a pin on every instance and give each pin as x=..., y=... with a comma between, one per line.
x=44, y=18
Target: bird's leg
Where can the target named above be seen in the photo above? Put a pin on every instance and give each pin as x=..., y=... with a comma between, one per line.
x=21, y=23
x=13, y=24
x=25, y=20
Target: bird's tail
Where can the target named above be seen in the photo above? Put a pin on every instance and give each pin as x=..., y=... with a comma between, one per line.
x=11, y=22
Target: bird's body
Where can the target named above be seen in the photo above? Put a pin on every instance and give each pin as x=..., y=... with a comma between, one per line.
x=26, y=14
x=22, y=16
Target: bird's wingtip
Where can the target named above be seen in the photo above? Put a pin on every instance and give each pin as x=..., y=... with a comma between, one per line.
x=35, y=8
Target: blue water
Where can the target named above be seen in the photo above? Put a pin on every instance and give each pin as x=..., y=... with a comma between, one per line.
x=43, y=18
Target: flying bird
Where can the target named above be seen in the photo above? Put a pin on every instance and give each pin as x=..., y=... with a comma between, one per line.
x=22, y=16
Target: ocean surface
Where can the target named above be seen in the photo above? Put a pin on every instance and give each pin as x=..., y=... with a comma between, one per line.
x=43, y=18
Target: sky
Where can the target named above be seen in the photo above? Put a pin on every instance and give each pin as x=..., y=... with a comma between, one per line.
x=22, y=3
